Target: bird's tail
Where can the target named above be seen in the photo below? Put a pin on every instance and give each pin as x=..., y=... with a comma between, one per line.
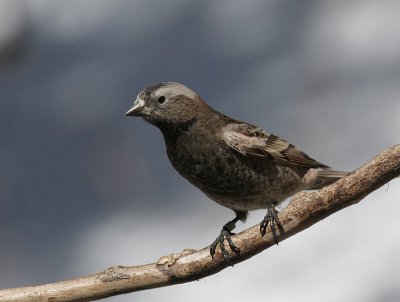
x=323, y=177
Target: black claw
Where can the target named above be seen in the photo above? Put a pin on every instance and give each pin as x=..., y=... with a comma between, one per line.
x=273, y=220
x=224, y=235
x=263, y=226
x=212, y=249
x=232, y=246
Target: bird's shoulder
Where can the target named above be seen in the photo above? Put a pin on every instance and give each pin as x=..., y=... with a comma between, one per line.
x=253, y=142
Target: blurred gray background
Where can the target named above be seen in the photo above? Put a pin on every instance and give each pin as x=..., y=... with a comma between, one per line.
x=83, y=188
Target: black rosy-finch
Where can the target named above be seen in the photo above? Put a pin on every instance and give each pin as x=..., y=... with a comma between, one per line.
x=236, y=164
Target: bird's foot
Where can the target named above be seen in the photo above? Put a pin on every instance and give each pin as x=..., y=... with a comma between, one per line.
x=273, y=220
x=224, y=235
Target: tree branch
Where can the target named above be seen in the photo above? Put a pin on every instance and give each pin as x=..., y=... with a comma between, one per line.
x=305, y=209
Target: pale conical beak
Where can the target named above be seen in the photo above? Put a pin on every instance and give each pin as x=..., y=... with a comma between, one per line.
x=137, y=108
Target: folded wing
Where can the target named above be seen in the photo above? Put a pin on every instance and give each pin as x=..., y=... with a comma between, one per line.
x=252, y=141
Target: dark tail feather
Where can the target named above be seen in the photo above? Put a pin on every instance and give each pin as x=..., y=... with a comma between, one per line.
x=326, y=177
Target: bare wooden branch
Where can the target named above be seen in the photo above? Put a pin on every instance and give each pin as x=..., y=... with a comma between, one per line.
x=304, y=210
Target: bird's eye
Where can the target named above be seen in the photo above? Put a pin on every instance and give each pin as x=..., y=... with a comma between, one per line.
x=161, y=100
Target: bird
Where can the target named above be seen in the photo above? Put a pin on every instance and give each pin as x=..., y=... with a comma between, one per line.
x=236, y=164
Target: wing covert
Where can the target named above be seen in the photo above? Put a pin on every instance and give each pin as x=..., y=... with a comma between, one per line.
x=250, y=140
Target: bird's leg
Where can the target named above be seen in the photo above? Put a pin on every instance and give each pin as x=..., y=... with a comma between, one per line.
x=273, y=220
x=225, y=234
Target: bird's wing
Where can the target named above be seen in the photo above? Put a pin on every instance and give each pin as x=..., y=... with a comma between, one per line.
x=252, y=141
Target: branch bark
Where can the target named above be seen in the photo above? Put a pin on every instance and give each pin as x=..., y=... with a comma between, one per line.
x=305, y=209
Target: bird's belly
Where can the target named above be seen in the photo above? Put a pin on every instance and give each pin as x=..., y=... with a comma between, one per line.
x=256, y=191
x=233, y=183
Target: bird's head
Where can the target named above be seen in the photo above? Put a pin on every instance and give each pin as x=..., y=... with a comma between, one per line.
x=168, y=105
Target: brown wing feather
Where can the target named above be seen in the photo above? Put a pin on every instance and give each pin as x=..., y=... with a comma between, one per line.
x=253, y=141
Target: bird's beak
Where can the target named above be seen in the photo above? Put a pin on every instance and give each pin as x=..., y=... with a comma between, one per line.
x=138, y=108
